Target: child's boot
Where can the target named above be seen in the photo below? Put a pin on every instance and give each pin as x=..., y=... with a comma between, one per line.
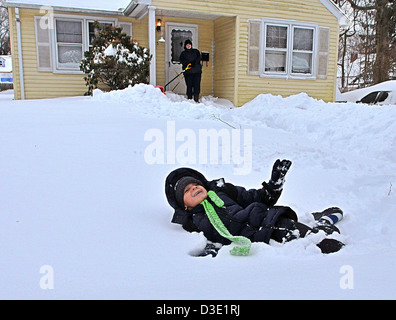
x=327, y=219
x=325, y=226
x=333, y=215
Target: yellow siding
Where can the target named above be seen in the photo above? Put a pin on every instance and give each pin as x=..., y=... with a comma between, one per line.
x=247, y=86
x=50, y=85
x=47, y=84
x=225, y=66
x=43, y=84
x=225, y=38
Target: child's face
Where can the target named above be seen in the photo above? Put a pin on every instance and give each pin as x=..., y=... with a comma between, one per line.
x=194, y=194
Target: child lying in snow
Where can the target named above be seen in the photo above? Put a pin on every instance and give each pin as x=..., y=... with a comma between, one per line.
x=226, y=213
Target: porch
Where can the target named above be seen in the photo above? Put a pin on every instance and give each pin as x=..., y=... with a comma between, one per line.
x=213, y=34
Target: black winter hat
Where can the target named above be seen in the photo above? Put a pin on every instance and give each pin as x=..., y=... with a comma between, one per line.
x=179, y=216
x=181, y=184
x=188, y=41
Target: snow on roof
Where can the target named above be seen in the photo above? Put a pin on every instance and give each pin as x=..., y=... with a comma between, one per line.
x=106, y=5
x=116, y=5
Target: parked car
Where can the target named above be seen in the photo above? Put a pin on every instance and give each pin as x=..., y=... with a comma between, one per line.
x=381, y=94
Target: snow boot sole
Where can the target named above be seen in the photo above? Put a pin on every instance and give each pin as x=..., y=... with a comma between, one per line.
x=330, y=246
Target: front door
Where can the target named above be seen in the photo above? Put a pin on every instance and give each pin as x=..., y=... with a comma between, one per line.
x=176, y=34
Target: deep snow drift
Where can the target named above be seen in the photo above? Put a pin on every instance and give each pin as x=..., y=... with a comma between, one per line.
x=83, y=212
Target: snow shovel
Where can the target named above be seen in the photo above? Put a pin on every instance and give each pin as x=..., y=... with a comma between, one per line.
x=187, y=68
x=163, y=88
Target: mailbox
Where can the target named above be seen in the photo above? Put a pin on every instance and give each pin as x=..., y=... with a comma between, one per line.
x=204, y=56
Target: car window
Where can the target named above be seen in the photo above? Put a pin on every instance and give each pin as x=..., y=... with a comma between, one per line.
x=383, y=96
x=370, y=98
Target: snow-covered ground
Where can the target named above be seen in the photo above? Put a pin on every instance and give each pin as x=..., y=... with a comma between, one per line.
x=6, y=95
x=83, y=212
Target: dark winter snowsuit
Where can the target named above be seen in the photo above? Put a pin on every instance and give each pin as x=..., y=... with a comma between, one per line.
x=248, y=213
x=193, y=75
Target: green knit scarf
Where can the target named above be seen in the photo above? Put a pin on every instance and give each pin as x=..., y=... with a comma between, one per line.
x=243, y=243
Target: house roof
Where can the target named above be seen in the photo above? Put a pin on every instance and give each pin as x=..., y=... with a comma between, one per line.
x=114, y=6
x=127, y=7
x=336, y=11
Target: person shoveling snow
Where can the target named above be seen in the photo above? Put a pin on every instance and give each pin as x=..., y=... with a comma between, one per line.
x=227, y=214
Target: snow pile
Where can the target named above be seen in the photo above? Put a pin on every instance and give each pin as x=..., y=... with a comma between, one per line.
x=365, y=129
x=359, y=128
x=80, y=205
x=147, y=100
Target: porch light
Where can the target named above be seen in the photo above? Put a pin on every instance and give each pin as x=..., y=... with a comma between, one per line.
x=159, y=25
x=160, y=29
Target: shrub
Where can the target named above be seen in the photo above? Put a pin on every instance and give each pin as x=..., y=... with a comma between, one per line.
x=115, y=60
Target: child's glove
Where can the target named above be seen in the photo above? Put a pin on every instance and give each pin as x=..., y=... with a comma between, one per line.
x=279, y=171
x=211, y=248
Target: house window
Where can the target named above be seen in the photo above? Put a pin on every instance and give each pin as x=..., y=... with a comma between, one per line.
x=287, y=49
x=178, y=37
x=302, y=56
x=69, y=43
x=276, y=48
x=61, y=48
x=92, y=31
x=72, y=37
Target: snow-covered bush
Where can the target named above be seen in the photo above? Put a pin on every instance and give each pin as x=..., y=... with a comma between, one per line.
x=114, y=60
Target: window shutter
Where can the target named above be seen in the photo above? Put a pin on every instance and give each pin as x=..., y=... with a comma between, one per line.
x=43, y=45
x=323, y=52
x=126, y=27
x=254, y=47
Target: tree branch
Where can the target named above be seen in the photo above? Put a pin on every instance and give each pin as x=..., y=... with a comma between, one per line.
x=365, y=8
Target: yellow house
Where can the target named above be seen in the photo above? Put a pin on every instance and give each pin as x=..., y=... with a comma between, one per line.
x=282, y=47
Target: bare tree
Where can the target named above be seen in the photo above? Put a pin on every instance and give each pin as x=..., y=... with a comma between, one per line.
x=384, y=12
x=4, y=30
x=347, y=47
x=356, y=43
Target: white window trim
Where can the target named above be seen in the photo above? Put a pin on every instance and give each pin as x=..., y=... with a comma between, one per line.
x=85, y=45
x=56, y=65
x=263, y=50
x=291, y=24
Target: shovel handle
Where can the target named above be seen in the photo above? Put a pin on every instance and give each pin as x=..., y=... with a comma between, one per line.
x=187, y=68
